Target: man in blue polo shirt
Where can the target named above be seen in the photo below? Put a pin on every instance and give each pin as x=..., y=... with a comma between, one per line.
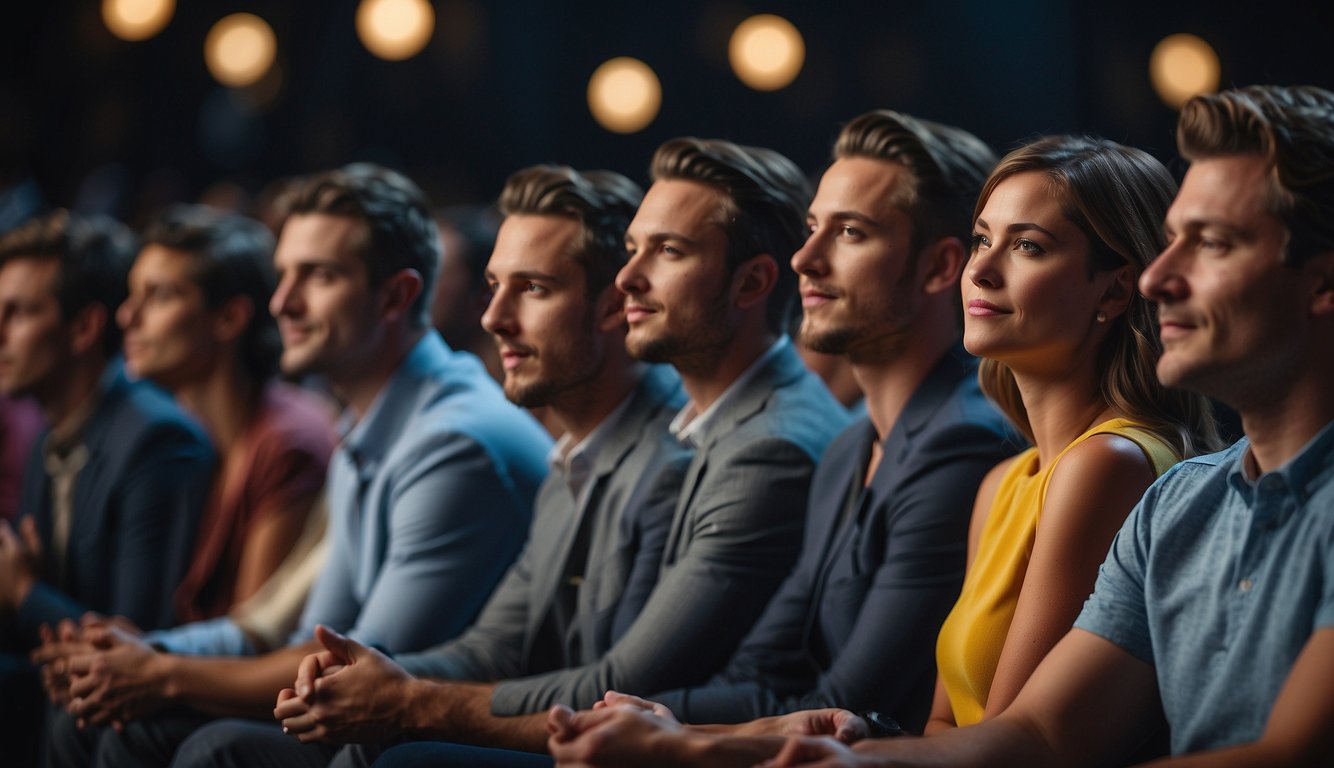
x=1217, y=596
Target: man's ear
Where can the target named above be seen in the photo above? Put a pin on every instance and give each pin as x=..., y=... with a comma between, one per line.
x=754, y=280
x=398, y=292
x=1320, y=268
x=941, y=265
x=87, y=328
x=232, y=318
x=609, y=309
x=1119, y=291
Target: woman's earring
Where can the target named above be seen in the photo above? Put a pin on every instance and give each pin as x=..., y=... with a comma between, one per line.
x=1101, y=316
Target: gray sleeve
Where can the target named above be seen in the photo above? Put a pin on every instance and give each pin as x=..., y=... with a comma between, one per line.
x=744, y=533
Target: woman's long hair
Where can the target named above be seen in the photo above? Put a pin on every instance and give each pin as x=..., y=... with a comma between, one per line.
x=1118, y=196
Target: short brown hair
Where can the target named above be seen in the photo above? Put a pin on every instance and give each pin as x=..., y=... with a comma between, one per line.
x=397, y=216
x=765, y=200
x=946, y=167
x=602, y=202
x=94, y=254
x=1293, y=129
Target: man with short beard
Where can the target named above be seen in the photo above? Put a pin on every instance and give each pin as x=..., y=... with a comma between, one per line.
x=854, y=626
x=601, y=516
x=705, y=294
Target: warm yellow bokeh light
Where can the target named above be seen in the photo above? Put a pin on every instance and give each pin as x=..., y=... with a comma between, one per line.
x=395, y=29
x=766, y=52
x=1182, y=66
x=136, y=20
x=624, y=95
x=239, y=49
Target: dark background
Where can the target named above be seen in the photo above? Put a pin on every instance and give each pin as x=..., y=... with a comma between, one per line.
x=97, y=123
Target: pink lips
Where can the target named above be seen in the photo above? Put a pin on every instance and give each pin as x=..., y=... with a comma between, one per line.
x=981, y=308
x=635, y=312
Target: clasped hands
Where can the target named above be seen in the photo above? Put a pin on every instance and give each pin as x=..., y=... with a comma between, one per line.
x=624, y=730
x=346, y=693
x=100, y=670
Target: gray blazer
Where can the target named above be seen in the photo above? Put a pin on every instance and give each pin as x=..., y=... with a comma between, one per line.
x=630, y=493
x=734, y=536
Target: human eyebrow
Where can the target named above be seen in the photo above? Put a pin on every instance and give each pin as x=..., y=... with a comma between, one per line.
x=1028, y=226
x=535, y=276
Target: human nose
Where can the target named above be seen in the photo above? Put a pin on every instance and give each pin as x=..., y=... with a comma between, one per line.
x=811, y=258
x=631, y=279
x=499, y=316
x=982, y=270
x=127, y=314
x=1162, y=279
x=283, y=299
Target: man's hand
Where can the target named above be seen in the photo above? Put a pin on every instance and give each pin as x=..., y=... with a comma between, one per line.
x=58, y=646
x=122, y=679
x=615, y=699
x=821, y=752
x=627, y=734
x=20, y=562
x=345, y=693
x=841, y=724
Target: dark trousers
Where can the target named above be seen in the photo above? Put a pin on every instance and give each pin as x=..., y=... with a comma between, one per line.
x=432, y=754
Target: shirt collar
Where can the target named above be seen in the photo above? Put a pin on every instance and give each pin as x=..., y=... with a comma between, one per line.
x=367, y=439
x=575, y=460
x=1301, y=475
x=689, y=426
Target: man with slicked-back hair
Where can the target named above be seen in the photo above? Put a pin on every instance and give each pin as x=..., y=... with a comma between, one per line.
x=854, y=625
x=1215, y=605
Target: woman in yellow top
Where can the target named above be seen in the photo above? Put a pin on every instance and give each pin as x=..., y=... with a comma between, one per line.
x=1062, y=231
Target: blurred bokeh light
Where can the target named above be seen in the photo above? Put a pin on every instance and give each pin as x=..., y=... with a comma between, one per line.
x=1182, y=66
x=136, y=20
x=395, y=29
x=624, y=95
x=766, y=52
x=239, y=49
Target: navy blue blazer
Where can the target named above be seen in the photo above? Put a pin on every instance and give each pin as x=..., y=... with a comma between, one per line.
x=136, y=505
x=855, y=623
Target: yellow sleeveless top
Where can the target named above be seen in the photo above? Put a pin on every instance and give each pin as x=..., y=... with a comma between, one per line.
x=970, y=640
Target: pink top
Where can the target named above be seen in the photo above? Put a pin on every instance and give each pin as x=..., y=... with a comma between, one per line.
x=20, y=421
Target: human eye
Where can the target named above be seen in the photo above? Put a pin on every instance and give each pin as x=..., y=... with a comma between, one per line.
x=979, y=241
x=534, y=288
x=1028, y=246
x=1213, y=245
x=672, y=250
x=851, y=232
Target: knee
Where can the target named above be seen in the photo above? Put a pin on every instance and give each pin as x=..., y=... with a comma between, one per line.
x=213, y=746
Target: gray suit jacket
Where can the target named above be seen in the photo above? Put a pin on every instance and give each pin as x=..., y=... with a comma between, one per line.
x=631, y=490
x=734, y=536
x=855, y=624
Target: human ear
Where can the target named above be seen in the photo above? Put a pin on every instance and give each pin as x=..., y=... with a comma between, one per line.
x=1320, y=268
x=87, y=327
x=941, y=265
x=398, y=292
x=232, y=318
x=609, y=309
x=754, y=280
x=1121, y=287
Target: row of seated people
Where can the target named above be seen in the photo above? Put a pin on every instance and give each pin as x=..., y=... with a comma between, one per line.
x=713, y=543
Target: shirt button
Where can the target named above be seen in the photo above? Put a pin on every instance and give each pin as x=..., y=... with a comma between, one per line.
x=1245, y=585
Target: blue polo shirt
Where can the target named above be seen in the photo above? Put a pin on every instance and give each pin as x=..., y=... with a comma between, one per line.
x=1218, y=581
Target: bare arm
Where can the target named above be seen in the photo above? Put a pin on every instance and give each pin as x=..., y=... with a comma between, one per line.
x=1088, y=498
x=1087, y=704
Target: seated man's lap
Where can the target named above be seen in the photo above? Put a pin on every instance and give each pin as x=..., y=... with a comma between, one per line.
x=431, y=754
